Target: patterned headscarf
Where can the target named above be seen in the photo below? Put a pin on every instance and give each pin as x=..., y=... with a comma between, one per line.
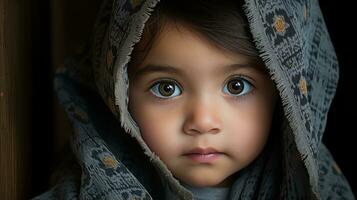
x=294, y=44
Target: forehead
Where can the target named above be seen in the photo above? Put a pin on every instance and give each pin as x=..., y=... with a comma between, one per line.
x=179, y=45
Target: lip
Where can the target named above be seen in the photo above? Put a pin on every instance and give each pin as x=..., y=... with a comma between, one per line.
x=209, y=150
x=203, y=155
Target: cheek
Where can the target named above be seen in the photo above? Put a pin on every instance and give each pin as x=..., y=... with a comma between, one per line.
x=250, y=128
x=158, y=127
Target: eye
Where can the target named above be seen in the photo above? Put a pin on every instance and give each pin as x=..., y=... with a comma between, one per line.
x=165, y=89
x=237, y=87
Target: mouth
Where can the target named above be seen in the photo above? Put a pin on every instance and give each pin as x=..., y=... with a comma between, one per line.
x=202, y=151
x=203, y=155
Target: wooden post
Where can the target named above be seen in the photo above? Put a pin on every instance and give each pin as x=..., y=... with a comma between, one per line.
x=15, y=98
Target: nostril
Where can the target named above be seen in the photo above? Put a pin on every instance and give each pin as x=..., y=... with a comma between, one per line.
x=202, y=118
x=197, y=130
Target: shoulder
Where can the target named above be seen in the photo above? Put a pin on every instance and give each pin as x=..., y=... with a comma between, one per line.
x=332, y=182
x=67, y=188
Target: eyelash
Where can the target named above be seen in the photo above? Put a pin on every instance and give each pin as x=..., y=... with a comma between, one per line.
x=240, y=97
x=245, y=78
x=163, y=80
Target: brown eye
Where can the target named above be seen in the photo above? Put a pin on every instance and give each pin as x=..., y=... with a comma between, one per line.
x=237, y=87
x=165, y=89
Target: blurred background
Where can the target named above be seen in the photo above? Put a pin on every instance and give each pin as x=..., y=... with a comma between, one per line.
x=37, y=35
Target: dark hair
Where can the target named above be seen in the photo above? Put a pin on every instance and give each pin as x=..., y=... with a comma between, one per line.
x=218, y=21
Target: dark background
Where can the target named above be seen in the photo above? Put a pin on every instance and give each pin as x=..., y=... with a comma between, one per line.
x=76, y=18
x=340, y=130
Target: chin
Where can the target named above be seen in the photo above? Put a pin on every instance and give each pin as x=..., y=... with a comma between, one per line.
x=206, y=182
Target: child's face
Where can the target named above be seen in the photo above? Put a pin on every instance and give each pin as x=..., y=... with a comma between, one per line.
x=200, y=102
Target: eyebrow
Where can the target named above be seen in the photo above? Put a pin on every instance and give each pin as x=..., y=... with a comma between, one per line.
x=152, y=68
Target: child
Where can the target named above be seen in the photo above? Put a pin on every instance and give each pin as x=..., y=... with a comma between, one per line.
x=223, y=100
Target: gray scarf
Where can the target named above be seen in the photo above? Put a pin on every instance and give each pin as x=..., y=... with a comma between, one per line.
x=295, y=46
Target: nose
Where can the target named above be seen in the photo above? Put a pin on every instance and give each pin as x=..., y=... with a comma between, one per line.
x=202, y=117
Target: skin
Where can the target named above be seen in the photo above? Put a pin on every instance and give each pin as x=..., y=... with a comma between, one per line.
x=200, y=113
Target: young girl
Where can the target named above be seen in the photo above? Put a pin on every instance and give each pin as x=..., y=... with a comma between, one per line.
x=223, y=100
